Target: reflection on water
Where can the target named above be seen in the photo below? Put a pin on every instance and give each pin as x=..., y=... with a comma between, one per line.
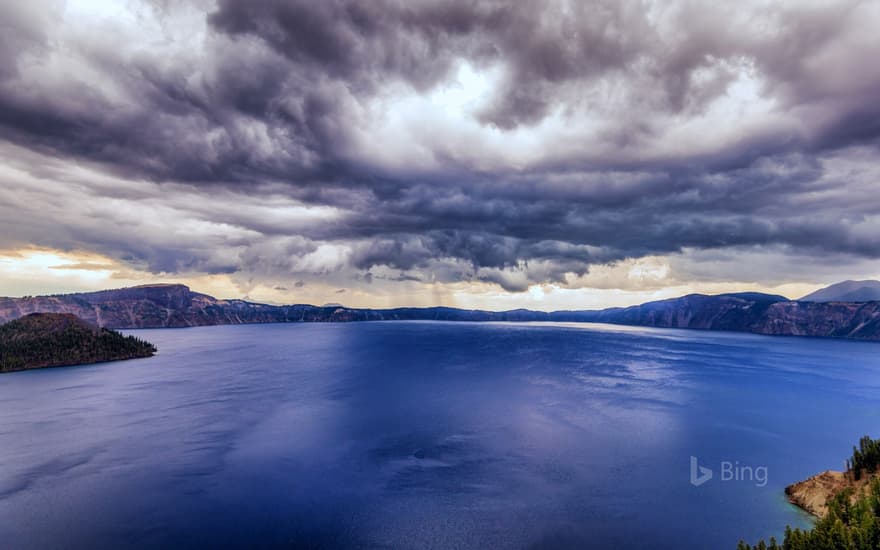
x=426, y=435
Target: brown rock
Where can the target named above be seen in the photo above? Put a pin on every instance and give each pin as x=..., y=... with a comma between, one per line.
x=814, y=494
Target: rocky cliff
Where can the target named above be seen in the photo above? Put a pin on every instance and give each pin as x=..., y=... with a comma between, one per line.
x=159, y=306
x=156, y=306
x=754, y=312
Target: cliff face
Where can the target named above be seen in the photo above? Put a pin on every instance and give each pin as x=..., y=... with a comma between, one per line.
x=758, y=313
x=160, y=306
x=152, y=306
x=698, y=311
x=157, y=306
x=837, y=319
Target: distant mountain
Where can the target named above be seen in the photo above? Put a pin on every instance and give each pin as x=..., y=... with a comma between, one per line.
x=847, y=291
x=58, y=339
x=157, y=306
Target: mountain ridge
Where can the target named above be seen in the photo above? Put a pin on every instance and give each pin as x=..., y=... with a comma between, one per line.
x=176, y=305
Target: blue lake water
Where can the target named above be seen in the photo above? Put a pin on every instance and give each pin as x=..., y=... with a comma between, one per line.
x=427, y=435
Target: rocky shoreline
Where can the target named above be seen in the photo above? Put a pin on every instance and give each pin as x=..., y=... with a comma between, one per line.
x=813, y=494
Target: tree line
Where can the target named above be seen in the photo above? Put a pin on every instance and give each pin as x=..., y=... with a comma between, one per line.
x=865, y=458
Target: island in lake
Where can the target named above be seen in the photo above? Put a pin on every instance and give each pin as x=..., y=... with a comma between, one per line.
x=41, y=340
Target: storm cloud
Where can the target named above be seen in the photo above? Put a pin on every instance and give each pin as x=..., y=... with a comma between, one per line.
x=428, y=141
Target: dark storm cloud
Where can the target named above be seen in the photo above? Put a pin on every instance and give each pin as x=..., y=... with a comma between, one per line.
x=364, y=43
x=639, y=146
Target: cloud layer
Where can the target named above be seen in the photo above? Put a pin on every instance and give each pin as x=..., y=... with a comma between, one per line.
x=394, y=143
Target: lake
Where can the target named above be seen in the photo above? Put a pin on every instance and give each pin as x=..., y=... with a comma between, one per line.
x=429, y=435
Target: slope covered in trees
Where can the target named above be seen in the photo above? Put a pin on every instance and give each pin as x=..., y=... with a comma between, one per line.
x=58, y=339
x=853, y=518
x=865, y=457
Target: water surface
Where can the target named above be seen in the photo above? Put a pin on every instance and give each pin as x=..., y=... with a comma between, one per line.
x=427, y=435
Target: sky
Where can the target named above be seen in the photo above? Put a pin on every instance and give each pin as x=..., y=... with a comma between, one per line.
x=473, y=153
